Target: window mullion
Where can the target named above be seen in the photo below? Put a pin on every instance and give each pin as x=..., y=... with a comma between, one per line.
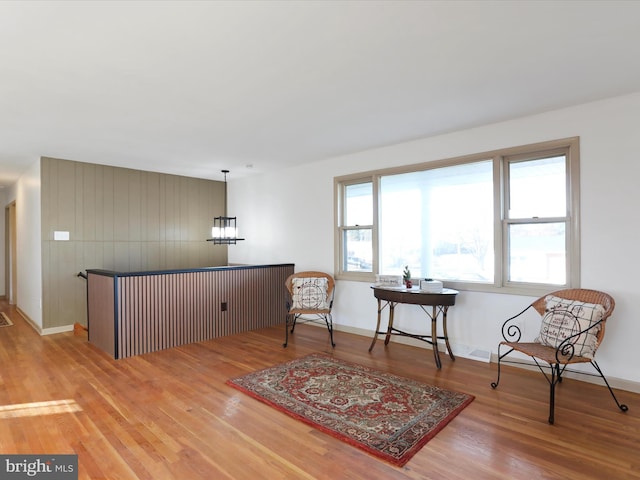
x=376, y=223
x=499, y=214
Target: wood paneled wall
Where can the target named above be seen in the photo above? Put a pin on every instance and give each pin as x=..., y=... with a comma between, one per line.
x=119, y=219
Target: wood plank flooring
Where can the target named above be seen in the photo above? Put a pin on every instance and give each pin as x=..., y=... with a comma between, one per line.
x=169, y=414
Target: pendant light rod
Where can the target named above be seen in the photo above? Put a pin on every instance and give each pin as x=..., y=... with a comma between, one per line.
x=225, y=192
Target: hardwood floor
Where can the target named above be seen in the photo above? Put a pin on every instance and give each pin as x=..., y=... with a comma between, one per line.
x=170, y=415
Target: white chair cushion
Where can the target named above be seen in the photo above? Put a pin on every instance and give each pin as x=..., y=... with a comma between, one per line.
x=564, y=318
x=310, y=293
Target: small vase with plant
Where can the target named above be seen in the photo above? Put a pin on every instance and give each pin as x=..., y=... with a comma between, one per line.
x=406, y=276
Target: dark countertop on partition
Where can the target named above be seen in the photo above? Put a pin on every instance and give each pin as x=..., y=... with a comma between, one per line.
x=112, y=273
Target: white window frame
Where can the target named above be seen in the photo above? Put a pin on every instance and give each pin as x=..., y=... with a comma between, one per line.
x=567, y=146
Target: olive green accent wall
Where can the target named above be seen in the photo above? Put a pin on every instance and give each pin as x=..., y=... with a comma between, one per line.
x=119, y=219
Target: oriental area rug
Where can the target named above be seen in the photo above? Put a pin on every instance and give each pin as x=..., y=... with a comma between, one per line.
x=388, y=416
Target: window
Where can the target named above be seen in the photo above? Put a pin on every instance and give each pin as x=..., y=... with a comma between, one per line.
x=504, y=220
x=356, y=233
x=536, y=218
x=439, y=222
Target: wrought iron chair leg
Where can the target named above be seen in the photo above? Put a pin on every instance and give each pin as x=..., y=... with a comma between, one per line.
x=286, y=331
x=293, y=324
x=552, y=392
x=494, y=385
x=558, y=373
x=621, y=406
x=329, y=321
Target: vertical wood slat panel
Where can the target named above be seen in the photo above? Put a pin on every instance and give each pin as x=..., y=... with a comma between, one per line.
x=101, y=311
x=162, y=310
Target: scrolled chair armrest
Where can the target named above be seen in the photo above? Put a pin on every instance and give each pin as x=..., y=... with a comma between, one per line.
x=566, y=350
x=511, y=331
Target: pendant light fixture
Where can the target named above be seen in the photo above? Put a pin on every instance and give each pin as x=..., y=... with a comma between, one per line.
x=225, y=230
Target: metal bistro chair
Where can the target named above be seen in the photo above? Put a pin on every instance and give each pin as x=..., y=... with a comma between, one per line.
x=310, y=298
x=572, y=329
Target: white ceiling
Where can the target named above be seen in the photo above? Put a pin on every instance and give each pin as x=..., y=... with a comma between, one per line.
x=190, y=88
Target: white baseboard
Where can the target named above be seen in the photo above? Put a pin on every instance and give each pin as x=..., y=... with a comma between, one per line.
x=53, y=330
x=30, y=322
x=44, y=331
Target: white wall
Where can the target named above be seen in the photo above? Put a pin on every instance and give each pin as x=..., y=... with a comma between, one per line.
x=3, y=204
x=287, y=216
x=26, y=193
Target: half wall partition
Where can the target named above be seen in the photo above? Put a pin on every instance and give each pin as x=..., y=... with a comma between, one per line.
x=140, y=312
